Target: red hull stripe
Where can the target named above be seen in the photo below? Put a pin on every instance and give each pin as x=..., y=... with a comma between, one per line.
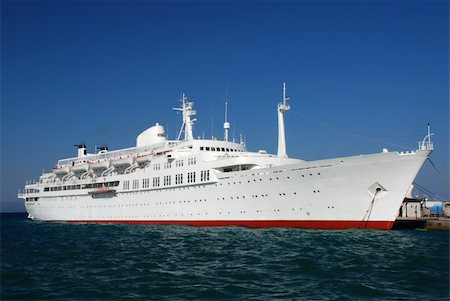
x=317, y=224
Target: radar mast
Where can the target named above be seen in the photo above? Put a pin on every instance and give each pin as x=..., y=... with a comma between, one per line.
x=188, y=121
x=282, y=107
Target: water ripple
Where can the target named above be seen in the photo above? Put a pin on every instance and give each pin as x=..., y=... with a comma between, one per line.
x=49, y=261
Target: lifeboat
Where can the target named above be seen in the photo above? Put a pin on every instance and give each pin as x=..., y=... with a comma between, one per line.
x=81, y=167
x=127, y=161
x=102, y=190
x=99, y=165
x=62, y=170
x=144, y=158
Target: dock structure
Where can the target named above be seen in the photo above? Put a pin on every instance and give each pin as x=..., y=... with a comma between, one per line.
x=415, y=215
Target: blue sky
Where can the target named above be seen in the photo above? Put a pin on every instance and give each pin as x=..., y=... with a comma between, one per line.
x=361, y=75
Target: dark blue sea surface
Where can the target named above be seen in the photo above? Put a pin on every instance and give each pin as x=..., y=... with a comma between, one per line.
x=61, y=261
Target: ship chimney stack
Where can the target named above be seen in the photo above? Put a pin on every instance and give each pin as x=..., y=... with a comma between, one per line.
x=282, y=107
x=81, y=150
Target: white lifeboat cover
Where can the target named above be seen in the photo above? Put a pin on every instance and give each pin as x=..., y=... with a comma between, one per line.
x=150, y=136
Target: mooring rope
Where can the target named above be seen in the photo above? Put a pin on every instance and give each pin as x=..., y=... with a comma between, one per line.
x=446, y=180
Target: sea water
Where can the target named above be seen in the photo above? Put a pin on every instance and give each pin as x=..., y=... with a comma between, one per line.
x=63, y=261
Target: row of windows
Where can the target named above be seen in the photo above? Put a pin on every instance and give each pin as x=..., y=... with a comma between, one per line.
x=85, y=186
x=178, y=163
x=178, y=179
x=167, y=180
x=219, y=149
x=191, y=177
x=204, y=175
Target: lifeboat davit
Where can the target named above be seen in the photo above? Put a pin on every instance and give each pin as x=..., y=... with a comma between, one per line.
x=144, y=158
x=81, y=167
x=62, y=170
x=127, y=161
x=99, y=165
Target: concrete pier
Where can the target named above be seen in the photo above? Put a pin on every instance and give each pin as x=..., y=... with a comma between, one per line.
x=428, y=223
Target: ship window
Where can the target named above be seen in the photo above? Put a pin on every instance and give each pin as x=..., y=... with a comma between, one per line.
x=213, y=149
x=223, y=149
x=207, y=148
x=191, y=177
x=204, y=175
x=156, y=182
x=126, y=185
x=167, y=165
x=146, y=183
x=167, y=180
x=135, y=184
x=228, y=149
x=202, y=148
x=46, y=189
x=179, y=179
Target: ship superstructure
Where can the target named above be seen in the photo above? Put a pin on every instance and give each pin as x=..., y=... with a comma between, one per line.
x=203, y=182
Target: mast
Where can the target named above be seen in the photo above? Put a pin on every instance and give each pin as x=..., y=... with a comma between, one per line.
x=282, y=107
x=226, y=124
x=188, y=121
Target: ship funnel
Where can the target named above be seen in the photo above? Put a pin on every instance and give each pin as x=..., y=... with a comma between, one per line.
x=82, y=151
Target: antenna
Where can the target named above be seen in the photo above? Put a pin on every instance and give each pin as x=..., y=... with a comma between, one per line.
x=226, y=124
x=212, y=126
x=285, y=98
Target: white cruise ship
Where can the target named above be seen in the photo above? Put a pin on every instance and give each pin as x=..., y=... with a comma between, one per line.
x=202, y=182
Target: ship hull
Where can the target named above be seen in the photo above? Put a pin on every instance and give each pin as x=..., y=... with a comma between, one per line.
x=303, y=224
x=342, y=193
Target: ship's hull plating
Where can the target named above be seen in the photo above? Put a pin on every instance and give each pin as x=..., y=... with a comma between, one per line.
x=350, y=192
